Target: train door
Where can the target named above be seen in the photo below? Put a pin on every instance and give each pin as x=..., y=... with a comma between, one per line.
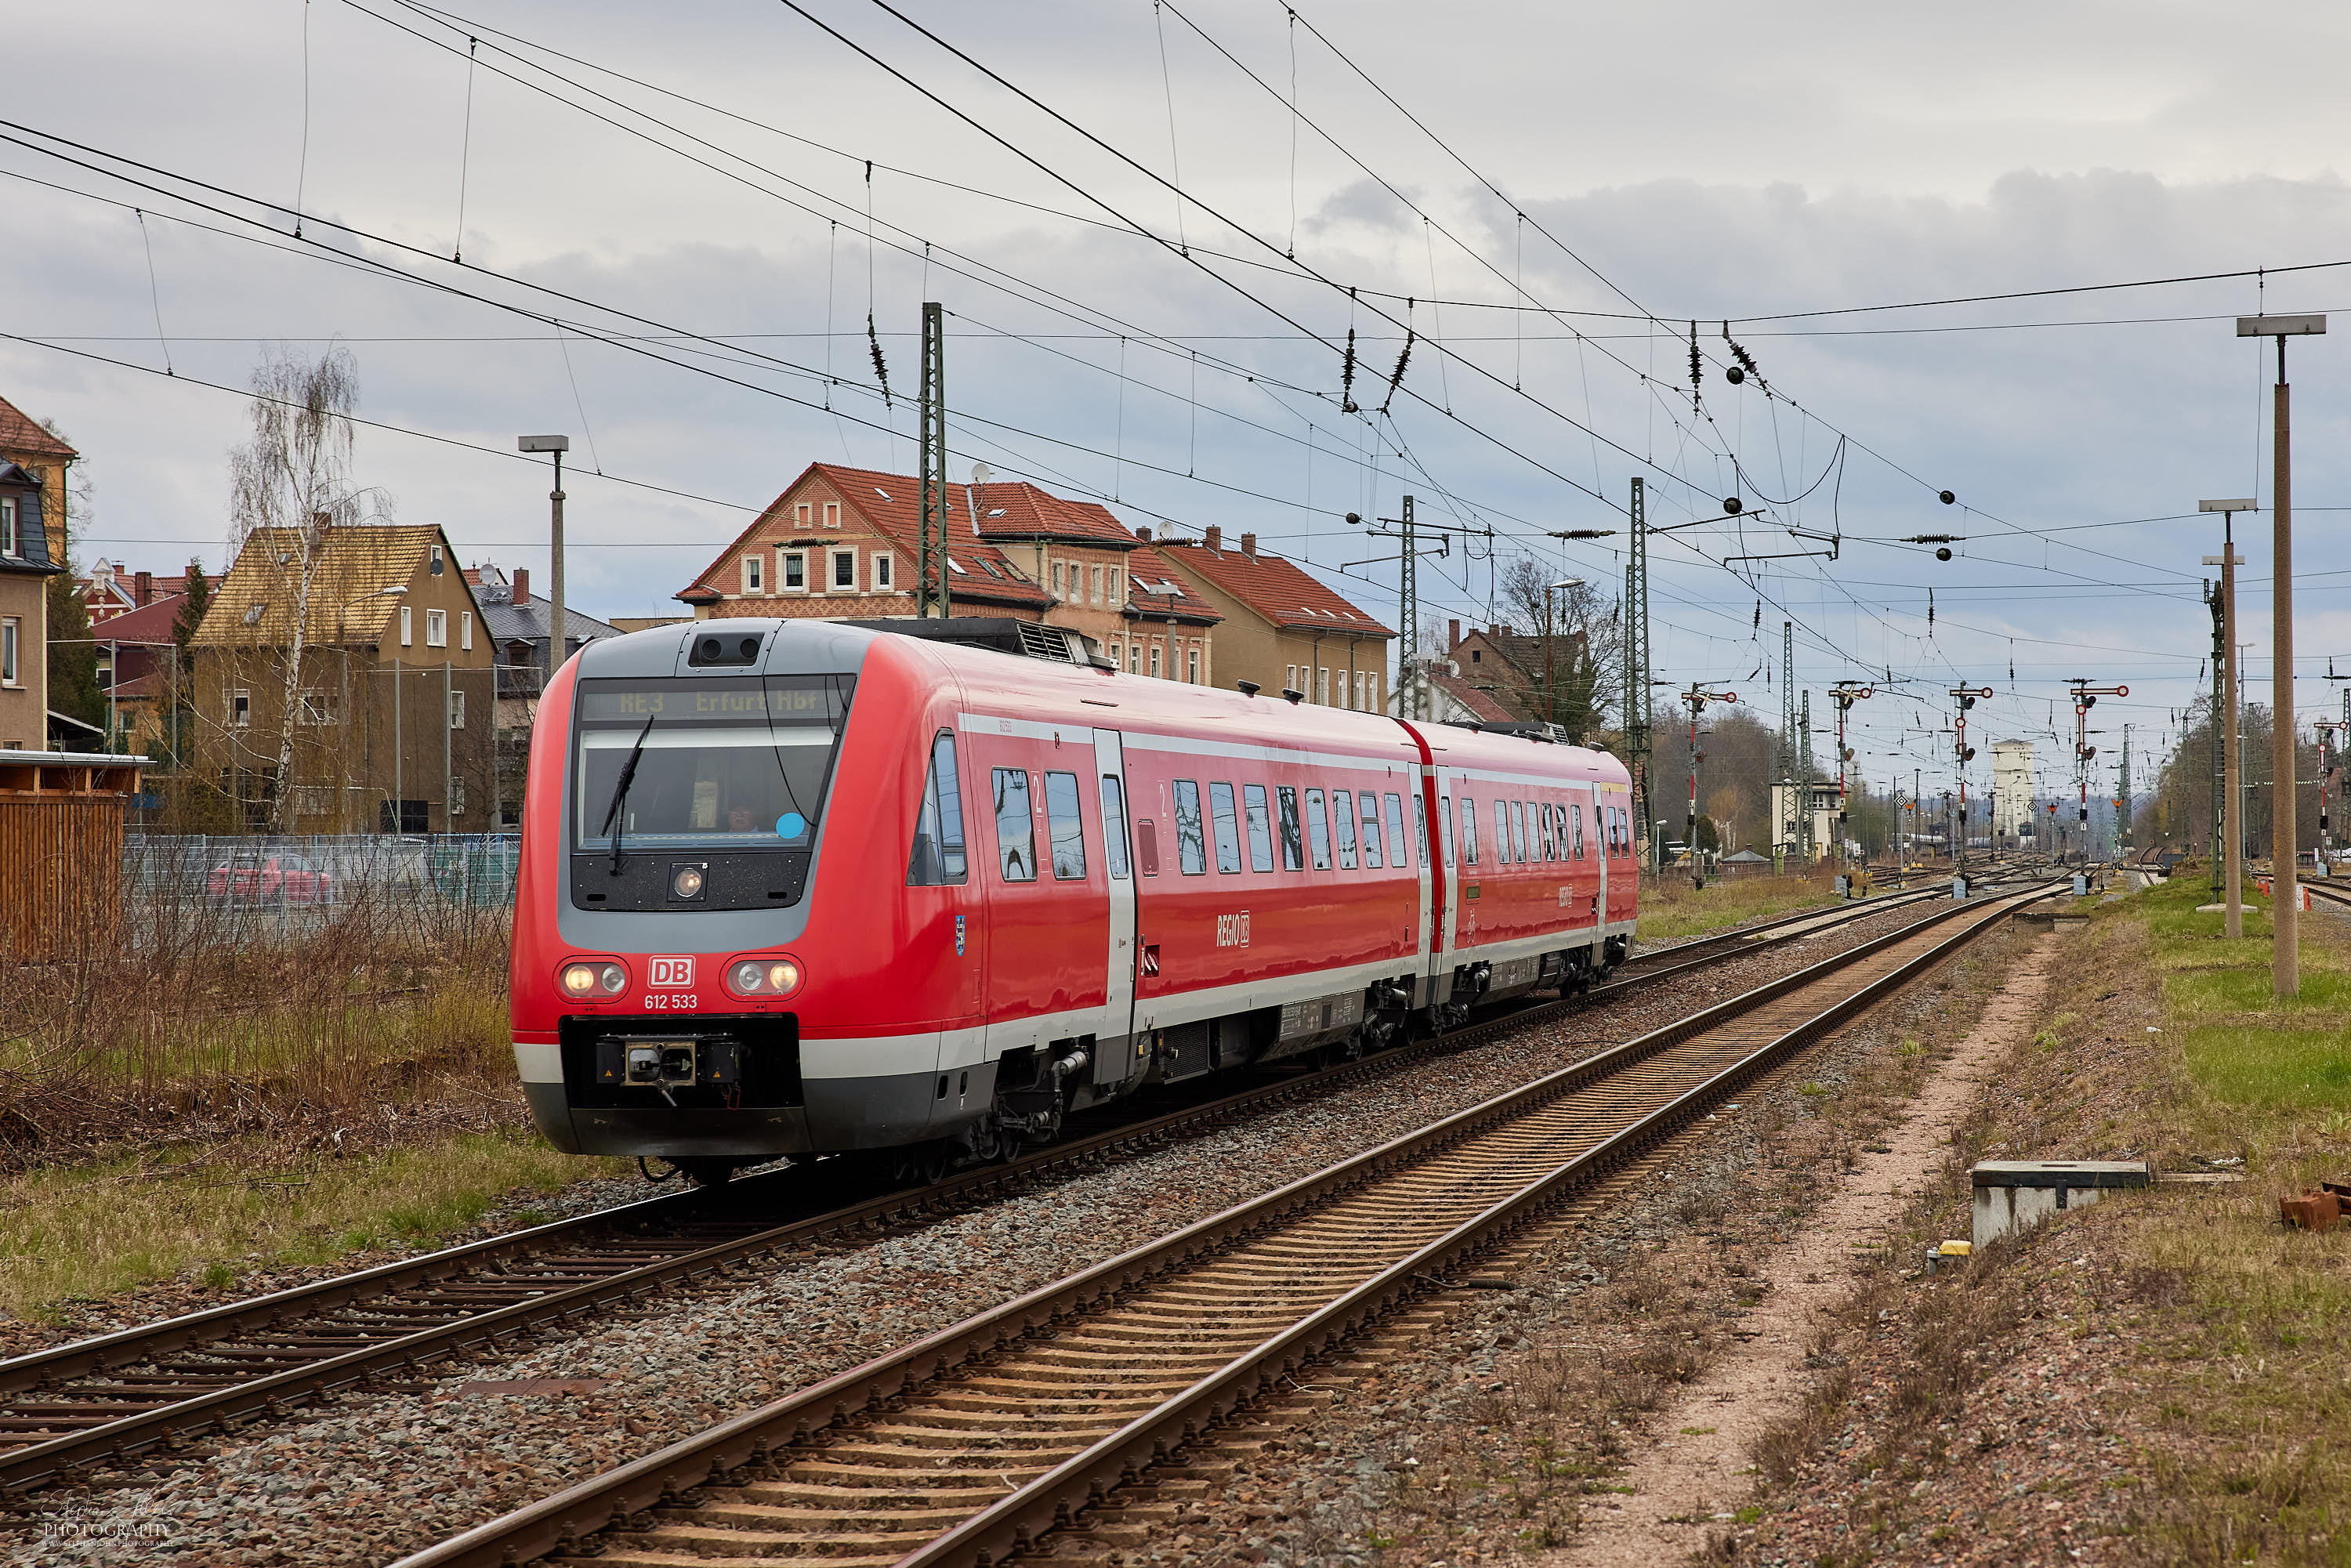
x=1448, y=926
x=1117, y=1058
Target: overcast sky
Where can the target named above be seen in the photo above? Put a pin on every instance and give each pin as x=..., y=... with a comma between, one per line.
x=709, y=221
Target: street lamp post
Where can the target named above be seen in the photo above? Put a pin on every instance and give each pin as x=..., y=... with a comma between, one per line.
x=557, y=627
x=2285, y=967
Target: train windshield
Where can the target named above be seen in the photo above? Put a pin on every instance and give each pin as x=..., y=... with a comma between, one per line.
x=737, y=763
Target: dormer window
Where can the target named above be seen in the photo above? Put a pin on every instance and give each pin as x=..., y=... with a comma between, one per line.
x=253, y=613
x=11, y=543
x=438, y=561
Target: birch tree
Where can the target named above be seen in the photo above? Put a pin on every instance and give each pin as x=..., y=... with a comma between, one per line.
x=292, y=478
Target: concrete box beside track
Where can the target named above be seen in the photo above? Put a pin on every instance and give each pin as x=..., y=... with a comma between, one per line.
x=2011, y=1194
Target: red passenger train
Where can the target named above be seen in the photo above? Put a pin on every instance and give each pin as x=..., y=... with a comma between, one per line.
x=791, y=886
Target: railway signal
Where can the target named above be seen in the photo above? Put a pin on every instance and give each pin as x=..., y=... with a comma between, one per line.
x=2085, y=697
x=1695, y=699
x=1844, y=694
x=2228, y=834
x=1967, y=697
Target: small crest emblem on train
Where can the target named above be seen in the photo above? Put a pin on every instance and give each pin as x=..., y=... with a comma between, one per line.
x=959, y=919
x=676, y=972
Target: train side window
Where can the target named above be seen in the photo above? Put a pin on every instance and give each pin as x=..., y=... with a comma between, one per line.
x=1191, y=846
x=1575, y=817
x=1371, y=830
x=1261, y=827
x=1396, y=830
x=1468, y=831
x=1016, y=830
x=1114, y=808
x=938, y=858
x=1520, y=842
x=1318, y=829
x=1293, y=853
x=1342, y=826
x=1146, y=846
x=1229, y=827
x=1444, y=827
x=1550, y=843
x=1067, y=824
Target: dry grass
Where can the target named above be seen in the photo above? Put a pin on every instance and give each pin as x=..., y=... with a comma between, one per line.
x=206, y=1023
x=1671, y=909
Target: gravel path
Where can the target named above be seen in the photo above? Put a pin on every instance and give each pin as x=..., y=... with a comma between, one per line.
x=362, y=1479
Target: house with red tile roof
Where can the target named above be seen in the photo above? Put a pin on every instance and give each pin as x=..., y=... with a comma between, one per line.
x=109, y=590
x=1283, y=628
x=841, y=544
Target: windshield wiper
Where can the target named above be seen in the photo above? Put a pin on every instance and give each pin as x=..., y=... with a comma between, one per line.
x=612, y=817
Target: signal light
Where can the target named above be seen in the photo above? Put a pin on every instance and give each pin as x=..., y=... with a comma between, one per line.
x=591, y=982
x=764, y=976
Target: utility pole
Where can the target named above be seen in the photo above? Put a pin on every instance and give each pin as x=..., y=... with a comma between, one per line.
x=2219, y=825
x=1412, y=690
x=1966, y=697
x=1791, y=815
x=931, y=555
x=2224, y=675
x=1807, y=831
x=1637, y=660
x=2286, y=970
x=556, y=639
x=1695, y=699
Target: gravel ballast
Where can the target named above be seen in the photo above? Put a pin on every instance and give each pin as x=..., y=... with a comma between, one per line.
x=364, y=1479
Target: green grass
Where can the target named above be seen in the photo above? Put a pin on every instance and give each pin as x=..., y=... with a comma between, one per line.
x=84, y=1231
x=1671, y=909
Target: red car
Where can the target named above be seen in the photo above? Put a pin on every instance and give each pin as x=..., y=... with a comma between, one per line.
x=269, y=879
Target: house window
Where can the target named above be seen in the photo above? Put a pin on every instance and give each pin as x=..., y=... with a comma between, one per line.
x=885, y=577
x=240, y=709
x=316, y=707
x=439, y=563
x=1154, y=660
x=832, y=514
x=795, y=564
x=465, y=630
x=1060, y=588
x=754, y=574
x=313, y=800
x=1134, y=658
x=844, y=570
x=10, y=631
x=436, y=628
x=407, y=622
x=10, y=543
x=1323, y=687
x=456, y=710
x=1117, y=585
x=1094, y=576
x=801, y=515
x=456, y=796
x=1191, y=663
x=1289, y=677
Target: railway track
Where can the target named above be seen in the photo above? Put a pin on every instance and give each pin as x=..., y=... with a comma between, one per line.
x=148, y=1390
x=975, y=1441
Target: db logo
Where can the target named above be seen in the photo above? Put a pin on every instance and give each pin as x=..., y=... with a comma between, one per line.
x=673, y=974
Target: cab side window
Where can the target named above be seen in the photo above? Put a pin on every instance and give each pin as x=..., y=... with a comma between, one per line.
x=1016, y=830
x=938, y=859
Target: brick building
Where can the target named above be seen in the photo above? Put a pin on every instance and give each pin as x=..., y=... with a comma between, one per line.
x=1282, y=628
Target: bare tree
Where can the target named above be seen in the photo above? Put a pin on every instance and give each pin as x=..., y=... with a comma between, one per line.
x=293, y=477
x=1586, y=656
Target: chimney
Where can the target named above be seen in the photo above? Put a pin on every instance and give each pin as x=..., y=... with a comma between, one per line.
x=1497, y=633
x=1216, y=537
x=522, y=587
x=1452, y=635
x=145, y=592
x=1142, y=534
x=1249, y=545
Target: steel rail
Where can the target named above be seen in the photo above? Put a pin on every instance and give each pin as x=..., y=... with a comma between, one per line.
x=29, y=1465
x=560, y=1523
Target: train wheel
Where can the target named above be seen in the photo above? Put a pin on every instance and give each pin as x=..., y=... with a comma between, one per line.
x=707, y=1172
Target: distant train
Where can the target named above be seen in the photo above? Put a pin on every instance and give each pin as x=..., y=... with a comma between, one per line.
x=793, y=888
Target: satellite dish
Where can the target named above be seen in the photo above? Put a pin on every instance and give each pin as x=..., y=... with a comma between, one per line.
x=981, y=474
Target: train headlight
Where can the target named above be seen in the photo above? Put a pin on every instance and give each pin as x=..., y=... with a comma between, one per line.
x=591, y=982
x=768, y=979
x=686, y=881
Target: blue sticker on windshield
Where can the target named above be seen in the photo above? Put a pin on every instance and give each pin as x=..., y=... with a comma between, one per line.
x=791, y=825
